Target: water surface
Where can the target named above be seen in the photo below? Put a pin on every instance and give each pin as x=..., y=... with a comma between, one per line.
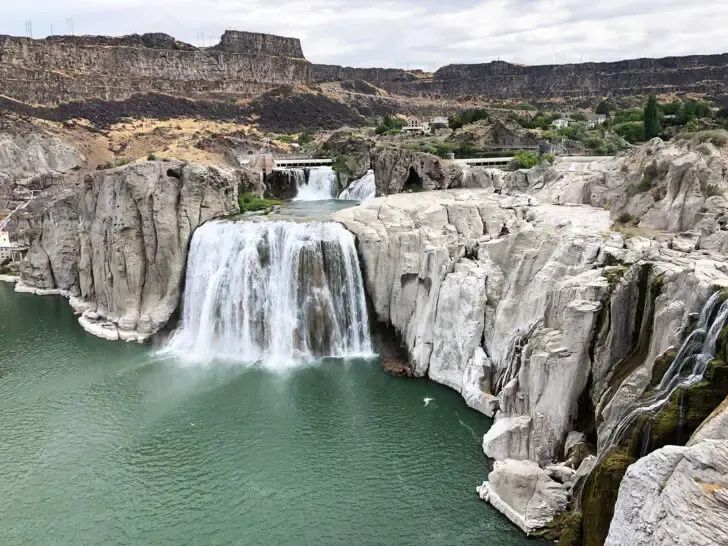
x=106, y=443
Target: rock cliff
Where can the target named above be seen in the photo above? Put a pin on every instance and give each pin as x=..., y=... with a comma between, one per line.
x=526, y=303
x=62, y=68
x=498, y=79
x=118, y=245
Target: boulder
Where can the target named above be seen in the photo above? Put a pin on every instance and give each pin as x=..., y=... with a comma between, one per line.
x=525, y=494
x=675, y=495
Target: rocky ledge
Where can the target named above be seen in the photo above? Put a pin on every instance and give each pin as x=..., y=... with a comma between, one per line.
x=117, y=246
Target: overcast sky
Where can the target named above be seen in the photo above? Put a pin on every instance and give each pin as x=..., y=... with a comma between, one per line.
x=408, y=33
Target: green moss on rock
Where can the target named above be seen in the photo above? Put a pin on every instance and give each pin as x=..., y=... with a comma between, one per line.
x=600, y=495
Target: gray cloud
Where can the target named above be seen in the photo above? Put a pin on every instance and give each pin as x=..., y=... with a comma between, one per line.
x=409, y=33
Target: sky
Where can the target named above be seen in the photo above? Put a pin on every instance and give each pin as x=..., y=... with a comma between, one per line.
x=411, y=34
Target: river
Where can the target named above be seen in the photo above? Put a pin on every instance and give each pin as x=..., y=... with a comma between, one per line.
x=110, y=443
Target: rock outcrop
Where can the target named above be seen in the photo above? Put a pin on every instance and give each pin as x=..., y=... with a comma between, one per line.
x=676, y=495
x=536, y=313
x=118, y=245
x=30, y=162
x=399, y=170
x=68, y=68
x=524, y=493
x=499, y=79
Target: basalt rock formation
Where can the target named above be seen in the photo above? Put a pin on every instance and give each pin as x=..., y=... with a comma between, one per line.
x=59, y=69
x=118, y=245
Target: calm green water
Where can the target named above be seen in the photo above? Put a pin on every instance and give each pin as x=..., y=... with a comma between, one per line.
x=102, y=443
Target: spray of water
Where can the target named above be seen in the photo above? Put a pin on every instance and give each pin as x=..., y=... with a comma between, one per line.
x=277, y=292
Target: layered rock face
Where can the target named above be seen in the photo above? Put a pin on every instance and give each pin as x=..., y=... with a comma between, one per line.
x=696, y=73
x=679, y=187
x=540, y=315
x=255, y=43
x=118, y=245
x=30, y=162
x=63, y=68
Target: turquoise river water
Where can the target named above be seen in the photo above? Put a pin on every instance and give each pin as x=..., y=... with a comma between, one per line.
x=107, y=443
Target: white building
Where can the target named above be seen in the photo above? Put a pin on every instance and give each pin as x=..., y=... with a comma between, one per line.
x=562, y=123
x=416, y=127
x=8, y=250
x=440, y=120
x=593, y=120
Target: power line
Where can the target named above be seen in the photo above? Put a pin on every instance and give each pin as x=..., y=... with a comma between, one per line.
x=29, y=28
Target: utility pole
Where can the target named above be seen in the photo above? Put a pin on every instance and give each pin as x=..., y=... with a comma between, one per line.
x=29, y=28
x=69, y=25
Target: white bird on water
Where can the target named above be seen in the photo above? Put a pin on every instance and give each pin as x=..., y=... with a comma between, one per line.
x=427, y=401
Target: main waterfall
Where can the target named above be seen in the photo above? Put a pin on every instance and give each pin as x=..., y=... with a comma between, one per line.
x=280, y=292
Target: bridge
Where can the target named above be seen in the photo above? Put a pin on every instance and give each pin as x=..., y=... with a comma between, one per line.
x=301, y=163
x=484, y=161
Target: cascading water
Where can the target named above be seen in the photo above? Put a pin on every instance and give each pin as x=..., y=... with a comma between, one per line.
x=686, y=369
x=361, y=190
x=321, y=184
x=280, y=292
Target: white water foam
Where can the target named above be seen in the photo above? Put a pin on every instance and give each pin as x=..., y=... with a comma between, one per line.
x=280, y=293
x=321, y=184
x=362, y=189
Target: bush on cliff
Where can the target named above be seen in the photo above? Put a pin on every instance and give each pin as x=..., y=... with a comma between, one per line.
x=524, y=160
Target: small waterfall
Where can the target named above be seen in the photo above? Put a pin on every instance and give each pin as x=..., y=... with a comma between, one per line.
x=321, y=184
x=361, y=190
x=687, y=369
x=280, y=292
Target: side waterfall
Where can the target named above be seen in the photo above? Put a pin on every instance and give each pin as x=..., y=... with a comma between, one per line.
x=280, y=292
x=321, y=184
x=361, y=190
x=686, y=370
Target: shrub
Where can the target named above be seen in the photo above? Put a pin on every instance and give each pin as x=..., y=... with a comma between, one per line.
x=467, y=117
x=549, y=158
x=249, y=202
x=305, y=138
x=630, y=115
x=625, y=218
x=151, y=156
x=524, y=160
x=603, y=108
x=716, y=138
x=286, y=138
x=630, y=131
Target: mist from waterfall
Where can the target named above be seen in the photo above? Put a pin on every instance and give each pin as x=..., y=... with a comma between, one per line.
x=321, y=184
x=362, y=189
x=278, y=292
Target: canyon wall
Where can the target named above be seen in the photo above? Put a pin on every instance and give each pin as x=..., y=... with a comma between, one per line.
x=117, y=246
x=498, y=79
x=62, y=68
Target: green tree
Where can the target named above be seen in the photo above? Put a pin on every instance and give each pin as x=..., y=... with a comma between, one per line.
x=603, y=108
x=652, y=119
x=524, y=160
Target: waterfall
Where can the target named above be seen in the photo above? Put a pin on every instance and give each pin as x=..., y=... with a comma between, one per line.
x=321, y=184
x=278, y=292
x=362, y=189
x=686, y=369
